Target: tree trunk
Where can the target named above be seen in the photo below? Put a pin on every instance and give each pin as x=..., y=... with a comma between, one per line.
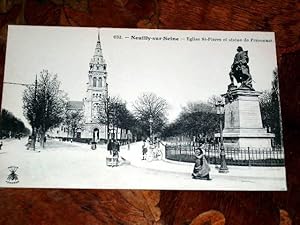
x=113, y=129
x=42, y=139
x=73, y=132
x=116, y=133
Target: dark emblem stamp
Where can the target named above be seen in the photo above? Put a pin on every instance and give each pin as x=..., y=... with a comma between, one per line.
x=12, y=177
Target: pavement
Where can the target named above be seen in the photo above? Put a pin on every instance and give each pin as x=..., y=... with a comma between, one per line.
x=135, y=156
x=75, y=165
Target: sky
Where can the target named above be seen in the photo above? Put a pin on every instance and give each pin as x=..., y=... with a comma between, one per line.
x=179, y=66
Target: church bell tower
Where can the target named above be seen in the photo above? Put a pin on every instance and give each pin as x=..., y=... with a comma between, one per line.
x=96, y=86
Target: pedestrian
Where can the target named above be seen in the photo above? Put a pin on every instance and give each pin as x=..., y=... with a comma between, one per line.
x=118, y=145
x=115, y=152
x=144, y=149
x=110, y=146
x=128, y=144
x=201, y=167
x=155, y=142
x=1, y=143
x=29, y=142
x=116, y=149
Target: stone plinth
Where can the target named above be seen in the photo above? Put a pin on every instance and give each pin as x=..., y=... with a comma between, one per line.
x=243, y=124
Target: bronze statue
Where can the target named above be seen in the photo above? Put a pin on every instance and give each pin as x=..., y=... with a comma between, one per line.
x=240, y=69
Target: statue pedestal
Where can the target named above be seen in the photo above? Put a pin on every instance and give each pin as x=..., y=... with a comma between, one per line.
x=243, y=124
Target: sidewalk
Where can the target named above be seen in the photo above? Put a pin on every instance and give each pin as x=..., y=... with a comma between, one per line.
x=75, y=165
x=134, y=155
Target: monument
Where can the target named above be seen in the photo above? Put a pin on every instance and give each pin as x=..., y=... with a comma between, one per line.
x=243, y=123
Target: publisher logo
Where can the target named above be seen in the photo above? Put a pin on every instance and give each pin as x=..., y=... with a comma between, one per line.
x=12, y=177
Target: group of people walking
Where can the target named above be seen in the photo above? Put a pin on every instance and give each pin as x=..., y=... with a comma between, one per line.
x=201, y=168
x=113, y=147
x=149, y=147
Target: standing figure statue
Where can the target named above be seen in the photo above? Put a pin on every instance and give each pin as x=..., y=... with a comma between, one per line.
x=240, y=70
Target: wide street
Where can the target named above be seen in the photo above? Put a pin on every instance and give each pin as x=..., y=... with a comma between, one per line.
x=75, y=165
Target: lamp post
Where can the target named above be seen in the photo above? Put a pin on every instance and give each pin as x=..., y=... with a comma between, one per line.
x=220, y=112
x=107, y=114
x=33, y=134
x=150, y=124
x=33, y=140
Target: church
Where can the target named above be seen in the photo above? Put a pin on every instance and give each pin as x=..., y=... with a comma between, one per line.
x=96, y=94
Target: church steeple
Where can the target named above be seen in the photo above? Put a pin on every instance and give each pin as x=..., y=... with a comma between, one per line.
x=97, y=84
x=97, y=72
x=97, y=62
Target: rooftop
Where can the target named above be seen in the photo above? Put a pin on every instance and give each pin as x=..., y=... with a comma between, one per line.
x=75, y=105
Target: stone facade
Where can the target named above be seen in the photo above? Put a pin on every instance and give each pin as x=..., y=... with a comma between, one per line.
x=243, y=123
x=92, y=104
x=96, y=92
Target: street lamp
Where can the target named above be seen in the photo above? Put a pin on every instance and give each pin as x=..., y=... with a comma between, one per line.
x=220, y=112
x=150, y=124
x=33, y=134
x=107, y=114
x=33, y=139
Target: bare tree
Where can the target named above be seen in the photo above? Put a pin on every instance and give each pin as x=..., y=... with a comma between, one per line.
x=73, y=120
x=214, y=99
x=197, y=107
x=197, y=119
x=115, y=114
x=44, y=104
x=149, y=105
x=270, y=109
x=106, y=112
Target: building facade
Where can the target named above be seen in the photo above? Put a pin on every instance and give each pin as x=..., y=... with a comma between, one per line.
x=96, y=94
x=92, y=105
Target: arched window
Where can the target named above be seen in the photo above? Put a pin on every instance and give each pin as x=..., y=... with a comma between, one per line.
x=94, y=82
x=100, y=82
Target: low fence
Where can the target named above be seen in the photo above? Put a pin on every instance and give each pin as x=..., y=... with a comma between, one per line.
x=184, y=152
x=88, y=140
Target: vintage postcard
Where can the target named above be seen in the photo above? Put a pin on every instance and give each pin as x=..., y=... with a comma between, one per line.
x=104, y=108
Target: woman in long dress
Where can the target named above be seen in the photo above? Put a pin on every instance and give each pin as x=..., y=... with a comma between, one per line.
x=144, y=149
x=201, y=167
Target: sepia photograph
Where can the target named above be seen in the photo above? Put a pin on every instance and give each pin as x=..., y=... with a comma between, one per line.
x=112, y=108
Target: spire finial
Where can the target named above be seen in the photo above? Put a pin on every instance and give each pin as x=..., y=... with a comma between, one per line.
x=98, y=57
